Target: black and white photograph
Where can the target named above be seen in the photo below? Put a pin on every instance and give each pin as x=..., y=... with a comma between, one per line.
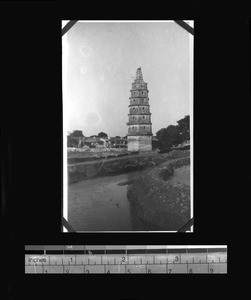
x=127, y=126
x=117, y=134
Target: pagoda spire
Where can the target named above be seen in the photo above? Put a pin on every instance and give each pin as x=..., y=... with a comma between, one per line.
x=139, y=76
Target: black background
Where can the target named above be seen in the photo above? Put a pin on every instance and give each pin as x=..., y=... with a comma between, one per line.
x=31, y=94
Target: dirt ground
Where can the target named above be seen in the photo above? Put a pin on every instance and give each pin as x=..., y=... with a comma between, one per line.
x=162, y=195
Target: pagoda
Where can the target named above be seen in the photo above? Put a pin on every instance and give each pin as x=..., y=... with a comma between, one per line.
x=139, y=137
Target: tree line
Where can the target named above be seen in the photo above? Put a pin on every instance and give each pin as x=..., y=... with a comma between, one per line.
x=167, y=138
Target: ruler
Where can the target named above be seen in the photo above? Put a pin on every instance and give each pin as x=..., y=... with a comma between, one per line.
x=99, y=259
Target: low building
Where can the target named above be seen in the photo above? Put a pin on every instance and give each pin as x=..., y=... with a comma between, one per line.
x=105, y=141
x=118, y=142
x=90, y=140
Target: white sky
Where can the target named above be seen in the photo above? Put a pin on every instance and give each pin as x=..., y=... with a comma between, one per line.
x=101, y=59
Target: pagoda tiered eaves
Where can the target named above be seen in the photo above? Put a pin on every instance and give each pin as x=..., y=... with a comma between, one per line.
x=130, y=105
x=139, y=135
x=138, y=113
x=141, y=123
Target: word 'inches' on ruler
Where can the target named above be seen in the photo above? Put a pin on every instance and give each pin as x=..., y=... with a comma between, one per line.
x=126, y=259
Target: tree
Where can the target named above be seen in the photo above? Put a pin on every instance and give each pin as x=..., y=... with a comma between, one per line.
x=155, y=144
x=184, y=128
x=184, y=123
x=73, y=139
x=77, y=134
x=173, y=134
x=168, y=137
x=102, y=135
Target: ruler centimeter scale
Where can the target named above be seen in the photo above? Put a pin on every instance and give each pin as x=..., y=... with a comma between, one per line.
x=125, y=259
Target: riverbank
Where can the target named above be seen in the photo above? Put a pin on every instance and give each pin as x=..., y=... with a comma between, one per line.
x=94, y=154
x=161, y=195
x=90, y=169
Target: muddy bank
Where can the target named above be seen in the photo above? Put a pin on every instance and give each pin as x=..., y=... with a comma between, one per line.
x=118, y=166
x=161, y=195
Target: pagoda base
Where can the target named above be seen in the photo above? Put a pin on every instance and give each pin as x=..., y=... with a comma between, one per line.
x=139, y=143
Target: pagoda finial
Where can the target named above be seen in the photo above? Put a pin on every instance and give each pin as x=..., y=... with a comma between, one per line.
x=139, y=76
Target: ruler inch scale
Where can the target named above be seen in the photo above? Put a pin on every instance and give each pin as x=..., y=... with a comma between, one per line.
x=126, y=259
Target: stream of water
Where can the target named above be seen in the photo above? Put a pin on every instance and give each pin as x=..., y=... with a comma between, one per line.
x=101, y=204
